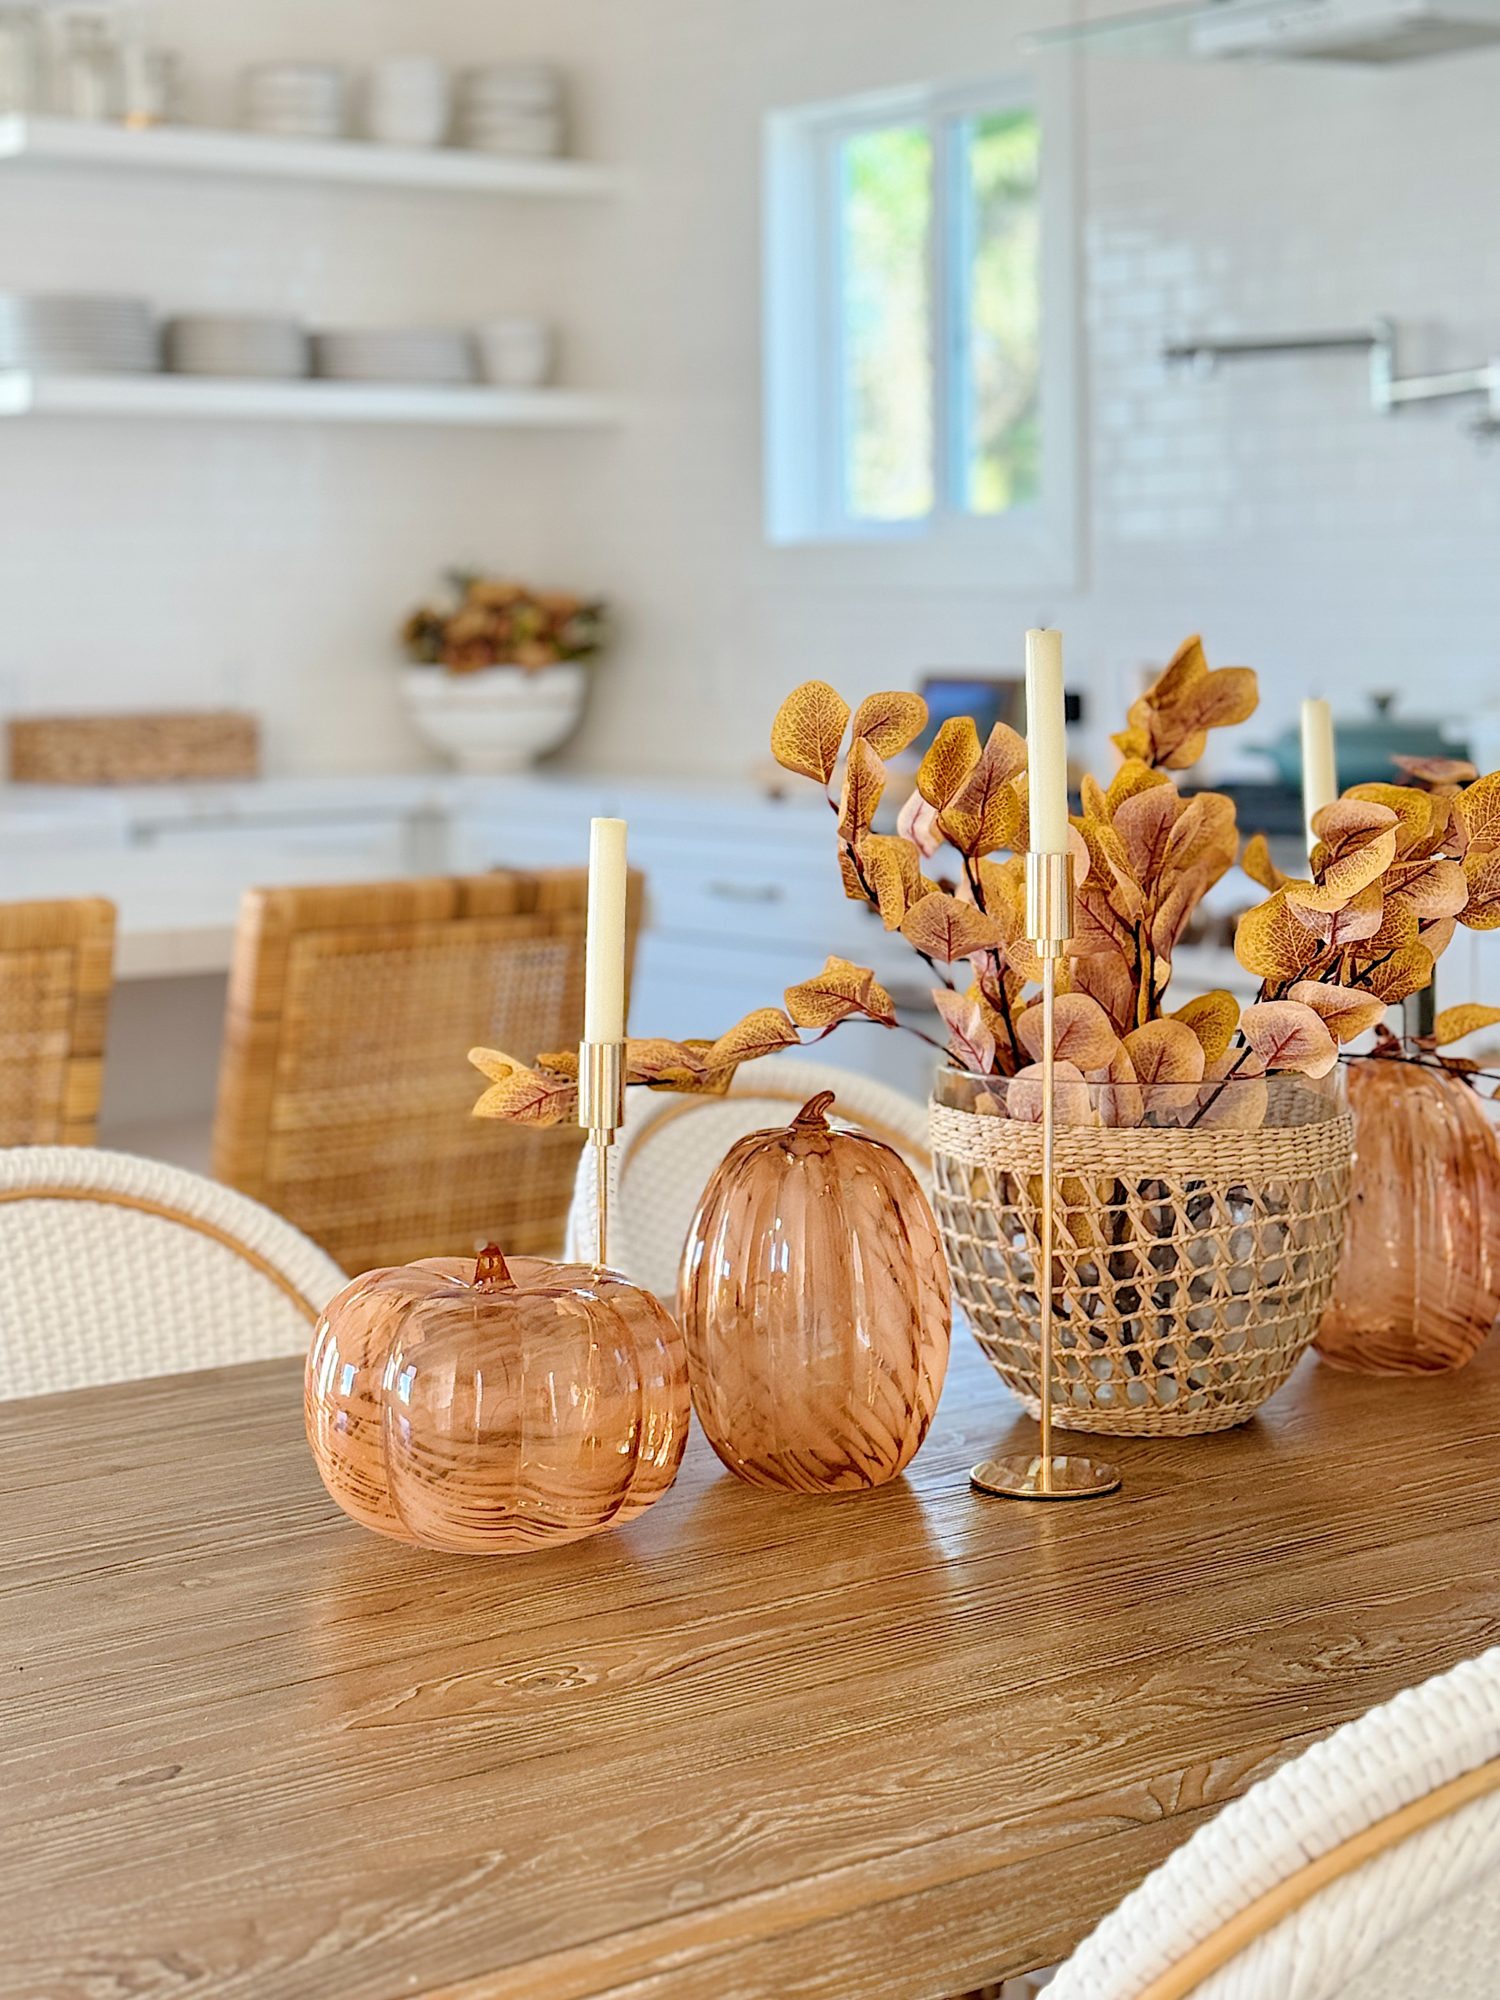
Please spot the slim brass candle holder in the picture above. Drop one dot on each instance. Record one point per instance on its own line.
(601, 1113)
(1043, 1475)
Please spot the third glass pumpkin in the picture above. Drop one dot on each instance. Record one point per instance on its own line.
(815, 1303)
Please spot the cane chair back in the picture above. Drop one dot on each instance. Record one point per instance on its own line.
(56, 970)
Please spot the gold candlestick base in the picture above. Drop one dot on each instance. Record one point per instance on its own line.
(601, 1113)
(1033, 1478)
(1043, 1475)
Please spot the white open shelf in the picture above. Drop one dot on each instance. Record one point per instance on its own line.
(25, 395)
(186, 149)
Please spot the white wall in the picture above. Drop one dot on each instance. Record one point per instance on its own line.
(1269, 507)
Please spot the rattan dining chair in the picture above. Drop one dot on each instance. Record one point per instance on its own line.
(345, 1092)
(56, 971)
(1366, 1869)
(113, 1268)
(670, 1145)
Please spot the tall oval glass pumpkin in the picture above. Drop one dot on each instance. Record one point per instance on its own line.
(814, 1300)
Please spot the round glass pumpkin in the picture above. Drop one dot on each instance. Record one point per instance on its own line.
(1418, 1285)
(814, 1301)
(494, 1407)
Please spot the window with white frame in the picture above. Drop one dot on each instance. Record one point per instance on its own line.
(915, 247)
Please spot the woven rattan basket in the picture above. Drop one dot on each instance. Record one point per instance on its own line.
(1191, 1266)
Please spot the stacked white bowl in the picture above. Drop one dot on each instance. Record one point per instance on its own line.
(511, 108)
(243, 345)
(75, 334)
(394, 354)
(408, 101)
(296, 100)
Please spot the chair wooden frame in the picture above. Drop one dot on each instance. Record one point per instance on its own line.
(56, 975)
(344, 1091)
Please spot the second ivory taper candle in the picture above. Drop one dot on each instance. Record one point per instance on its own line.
(1046, 743)
(1320, 778)
(604, 968)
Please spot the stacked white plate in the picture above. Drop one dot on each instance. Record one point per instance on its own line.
(511, 108)
(296, 100)
(408, 101)
(394, 354)
(74, 334)
(236, 344)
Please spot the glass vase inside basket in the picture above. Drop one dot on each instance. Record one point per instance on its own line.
(1196, 1232)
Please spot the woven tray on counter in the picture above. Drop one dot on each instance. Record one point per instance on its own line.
(143, 749)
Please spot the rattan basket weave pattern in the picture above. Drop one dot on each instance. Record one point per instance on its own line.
(1191, 1267)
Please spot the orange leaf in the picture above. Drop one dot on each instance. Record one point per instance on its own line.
(837, 992)
(1456, 1022)
(1133, 776)
(521, 1095)
(1270, 942)
(889, 723)
(1144, 825)
(1416, 812)
(1071, 1103)
(1167, 1057)
(1286, 1034)
(1344, 1010)
(561, 1062)
(809, 730)
(1405, 972)
(762, 1033)
(893, 869)
(1082, 1032)
(945, 929)
(953, 754)
(864, 782)
(1349, 922)
(1213, 1018)
(1428, 888)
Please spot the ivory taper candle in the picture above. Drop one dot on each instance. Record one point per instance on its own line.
(604, 970)
(1046, 743)
(1320, 778)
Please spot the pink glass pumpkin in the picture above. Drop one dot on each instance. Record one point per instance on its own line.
(489, 1408)
(814, 1301)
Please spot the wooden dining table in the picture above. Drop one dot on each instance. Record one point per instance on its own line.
(880, 1747)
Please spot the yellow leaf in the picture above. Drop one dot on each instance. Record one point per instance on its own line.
(1478, 810)
(1186, 670)
(1341, 875)
(864, 782)
(890, 722)
(985, 813)
(1429, 888)
(1415, 811)
(893, 869)
(562, 1062)
(1406, 972)
(809, 730)
(521, 1095)
(1213, 1018)
(1456, 1022)
(1482, 911)
(1132, 777)
(1344, 1010)
(1288, 1035)
(1350, 921)
(838, 991)
(1258, 865)
(943, 928)
(953, 755)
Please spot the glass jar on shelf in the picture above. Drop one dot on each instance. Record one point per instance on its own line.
(89, 83)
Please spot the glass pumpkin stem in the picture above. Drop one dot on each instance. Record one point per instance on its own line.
(814, 1114)
(491, 1272)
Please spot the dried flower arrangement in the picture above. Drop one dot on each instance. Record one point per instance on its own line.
(494, 623)
(1332, 952)
(1396, 869)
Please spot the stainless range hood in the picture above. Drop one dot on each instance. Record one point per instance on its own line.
(1343, 31)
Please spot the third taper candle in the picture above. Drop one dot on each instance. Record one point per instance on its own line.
(1320, 779)
(1046, 743)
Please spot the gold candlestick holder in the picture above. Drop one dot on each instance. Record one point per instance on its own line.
(1044, 1475)
(601, 1113)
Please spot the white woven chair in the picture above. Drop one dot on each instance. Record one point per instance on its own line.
(671, 1144)
(1366, 1869)
(113, 1267)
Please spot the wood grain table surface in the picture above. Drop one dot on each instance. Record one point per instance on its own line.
(751, 1747)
